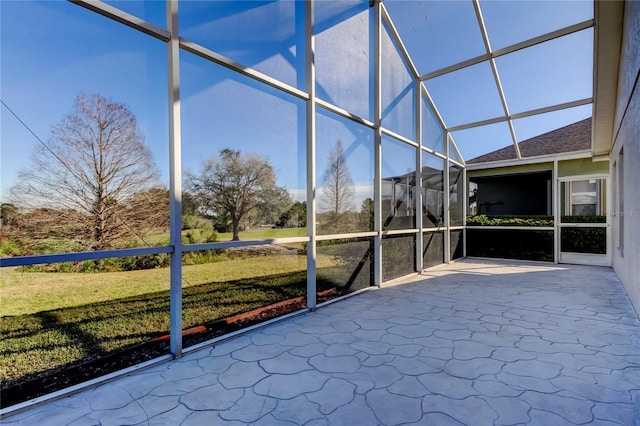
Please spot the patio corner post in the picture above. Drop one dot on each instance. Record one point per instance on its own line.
(418, 187)
(175, 184)
(555, 202)
(465, 210)
(311, 153)
(377, 110)
(447, 201)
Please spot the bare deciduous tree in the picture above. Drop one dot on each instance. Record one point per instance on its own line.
(233, 184)
(148, 210)
(337, 188)
(95, 159)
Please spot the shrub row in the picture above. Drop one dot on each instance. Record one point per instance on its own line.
(584, 240)
(113, 264)
(584, 219)
(510, 244)
(484, 220)
(513, 220)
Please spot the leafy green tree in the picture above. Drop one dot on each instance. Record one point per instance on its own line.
(275, 200)
(295, 217)
(233, 184)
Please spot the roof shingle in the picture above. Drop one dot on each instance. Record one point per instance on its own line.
(574, 137)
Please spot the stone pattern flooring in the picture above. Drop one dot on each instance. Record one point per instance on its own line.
(472, 343)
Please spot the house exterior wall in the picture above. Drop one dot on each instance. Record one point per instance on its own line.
(625, 158)
(523, 168)
(582, 166)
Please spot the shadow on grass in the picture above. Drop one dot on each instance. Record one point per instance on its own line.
(50, 350)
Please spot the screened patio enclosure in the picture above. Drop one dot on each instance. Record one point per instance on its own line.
(292, 150)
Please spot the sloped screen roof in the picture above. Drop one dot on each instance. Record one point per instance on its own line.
(500, 72)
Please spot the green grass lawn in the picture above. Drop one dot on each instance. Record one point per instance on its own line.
(32, 292)
(265, 234)
(50, 320)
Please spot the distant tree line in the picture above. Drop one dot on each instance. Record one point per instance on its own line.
(93, 185)
(51, 230)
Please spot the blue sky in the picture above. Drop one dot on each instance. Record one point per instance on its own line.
(442, 33)
(53, 51)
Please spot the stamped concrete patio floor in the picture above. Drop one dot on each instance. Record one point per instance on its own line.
(471, 343)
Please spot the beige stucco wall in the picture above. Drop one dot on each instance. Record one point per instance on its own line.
(627, 139)
(582, 166)
(525, 168)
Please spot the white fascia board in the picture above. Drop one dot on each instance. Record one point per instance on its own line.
(575, 155)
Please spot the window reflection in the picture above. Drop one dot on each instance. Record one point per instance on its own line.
(432, 191)
(398, 185)
(456, 195)
(582, 198)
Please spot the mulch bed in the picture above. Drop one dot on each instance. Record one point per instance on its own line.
(65, 376)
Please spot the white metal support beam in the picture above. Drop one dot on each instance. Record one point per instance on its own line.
(510, 49)
(496, 76)
(311, 153)
(465, 209)
(175, 183)
(418, 187)
(555, 196)
(396, 37)
(457, 151)
(447, 203)
(432, 104)
(125, 18)
(529, 113)
(377, 111)
(232, 65)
